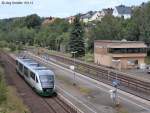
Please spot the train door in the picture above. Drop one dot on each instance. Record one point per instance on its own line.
(37, 84)
(32, 79)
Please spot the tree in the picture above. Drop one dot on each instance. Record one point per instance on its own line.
(109, 28)
(141, 20)
(132, 32)
(62, 42)
(33, 21)
(76, 42)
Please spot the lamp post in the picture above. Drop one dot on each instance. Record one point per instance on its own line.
(73, 67)
(84, 51)
(108, 75)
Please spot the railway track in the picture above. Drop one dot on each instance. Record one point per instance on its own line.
(128, 84)
(58, 104)
(36, 103)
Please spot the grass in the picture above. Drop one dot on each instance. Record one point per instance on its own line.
(6, 49)
(121, 109)
(59, 53)
(84, 90)
(64, 79)
(9, 100)
(89, 57)
(13, 103)
(3, 88)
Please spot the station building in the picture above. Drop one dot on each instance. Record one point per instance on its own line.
(120, 54)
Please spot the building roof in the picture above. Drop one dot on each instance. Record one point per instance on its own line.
(122, 9)
(88, 14)
(120, 44)
(108, 11)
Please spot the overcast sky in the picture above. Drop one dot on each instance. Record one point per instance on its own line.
(59, 8)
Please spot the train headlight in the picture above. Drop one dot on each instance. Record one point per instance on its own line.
(48, 90)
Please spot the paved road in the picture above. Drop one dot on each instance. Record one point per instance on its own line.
(92, 96)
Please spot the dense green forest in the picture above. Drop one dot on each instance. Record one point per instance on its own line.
(29, 30)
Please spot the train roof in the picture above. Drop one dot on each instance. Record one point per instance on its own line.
(34, 66)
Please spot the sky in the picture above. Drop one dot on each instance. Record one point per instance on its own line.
(58, 8)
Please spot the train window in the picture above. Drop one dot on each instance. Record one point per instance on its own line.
(26, 71)
(46, 78)
(32, 75)
(16, 62)
(37, 80)
(20, 67)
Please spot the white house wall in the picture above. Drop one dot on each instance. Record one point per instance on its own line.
(116, 14)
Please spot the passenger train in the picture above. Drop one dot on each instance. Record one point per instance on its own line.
(40, 78)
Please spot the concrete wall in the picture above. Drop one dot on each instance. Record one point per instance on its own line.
(126, 65)
(103, 59)
(141, 61)
(107, 60)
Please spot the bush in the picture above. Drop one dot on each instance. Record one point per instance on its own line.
(3, 88)
(2, 92)
(12, 46)
(3, 44)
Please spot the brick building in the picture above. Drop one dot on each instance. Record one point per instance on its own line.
(119, 54)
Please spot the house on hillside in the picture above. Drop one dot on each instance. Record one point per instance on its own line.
(71, 19)
(48, 20)
(87, 16)
(97, 16)
(108, 11)
(92, 15)
(100, 14)
(122, 11)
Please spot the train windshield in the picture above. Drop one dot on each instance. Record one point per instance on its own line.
(46, 78)
(47, 81)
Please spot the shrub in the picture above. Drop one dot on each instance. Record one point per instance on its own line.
(12, 46)
(3, 88)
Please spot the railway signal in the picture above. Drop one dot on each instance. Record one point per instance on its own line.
(73, 67)
(115, 83)
(114, 93)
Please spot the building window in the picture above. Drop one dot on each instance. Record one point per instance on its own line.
(127, 50)
(132, 62)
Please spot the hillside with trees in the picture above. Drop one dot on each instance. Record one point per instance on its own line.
(29, 31)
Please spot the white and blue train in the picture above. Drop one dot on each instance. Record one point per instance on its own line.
(40, 78)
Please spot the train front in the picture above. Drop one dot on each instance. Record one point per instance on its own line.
(47, 83)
